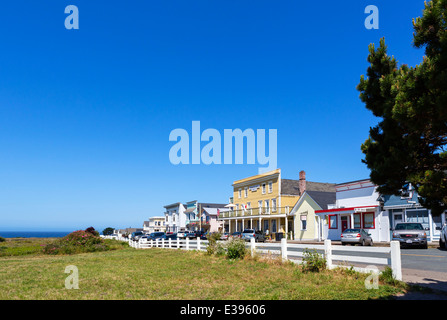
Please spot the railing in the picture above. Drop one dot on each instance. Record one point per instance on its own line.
(254, 212)
(186, 244)
(291, 251)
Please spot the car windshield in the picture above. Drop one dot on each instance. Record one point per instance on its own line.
(351, 231)
(409, 226)
(248, 231)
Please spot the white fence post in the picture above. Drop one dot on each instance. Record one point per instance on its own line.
(162, 242)
(187, 243)
(178, 243)
(156, 242)
(396, 265)
(252, 246)
(152, 243)
(170, 243)
(198, 243)
(328, 253)
(284, 249)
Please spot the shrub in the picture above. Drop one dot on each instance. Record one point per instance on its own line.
(2, 239)
(79, 241)
(213, 245)
(236, 249)
(313, 261)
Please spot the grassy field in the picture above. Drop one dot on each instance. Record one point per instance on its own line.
(153, 274)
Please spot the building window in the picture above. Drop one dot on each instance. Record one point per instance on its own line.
(266, 225)
(263, 188)
(273, 226)
(333, 221)
(303, 219)
(246, 192)
(239, 193)
(368, 220)
(267, 205)
(270, 187)
(273, 205)
(248, 205)
(357, 220)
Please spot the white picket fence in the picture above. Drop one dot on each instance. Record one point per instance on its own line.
(292, 251)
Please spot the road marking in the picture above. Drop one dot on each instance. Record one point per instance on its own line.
(422, 255)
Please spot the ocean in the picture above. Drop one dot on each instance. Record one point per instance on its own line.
(33, 234)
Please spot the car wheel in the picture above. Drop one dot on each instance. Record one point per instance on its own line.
(441, 244)
(371, 243)
(363, 243)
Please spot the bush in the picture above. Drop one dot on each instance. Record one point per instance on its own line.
(236, 249)
(2, 239)
(213, 245)
(79, 241)
(312, 261)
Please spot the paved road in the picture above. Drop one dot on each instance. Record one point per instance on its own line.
(430, 259)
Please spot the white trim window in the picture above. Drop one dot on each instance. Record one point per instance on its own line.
(239, 193)
(267, 206)
(263, 188)
(273, 205)
(270, 186)
(245, 192)
(303, 219)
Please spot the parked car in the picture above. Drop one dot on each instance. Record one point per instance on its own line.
(167, 236)
(247, 234)
(182, 234)
(356, 236)
(443, 237)
(197, 234)
(236, 234)
(224, 236)
(410, 234)
(135, 236)
(155, 236)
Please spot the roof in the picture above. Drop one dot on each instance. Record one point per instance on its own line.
(212, 205)
(176, 204)
(259, 176)
(323, 199)
(292, 187)
(213, 211)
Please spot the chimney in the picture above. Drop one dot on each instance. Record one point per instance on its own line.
(302, 182)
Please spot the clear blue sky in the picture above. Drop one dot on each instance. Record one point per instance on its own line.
(85, 115)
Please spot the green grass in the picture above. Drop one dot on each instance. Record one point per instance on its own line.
(175, 274)
(23, 246)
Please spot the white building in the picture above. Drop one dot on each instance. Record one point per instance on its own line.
(155, 224)
(357, 205)
(175, 218)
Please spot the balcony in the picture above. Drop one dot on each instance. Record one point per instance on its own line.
(255, 212)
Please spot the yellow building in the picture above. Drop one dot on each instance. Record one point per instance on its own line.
(265, 201)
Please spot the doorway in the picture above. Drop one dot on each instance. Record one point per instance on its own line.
(344, 223)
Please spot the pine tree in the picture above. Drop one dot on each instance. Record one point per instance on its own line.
(408, 145)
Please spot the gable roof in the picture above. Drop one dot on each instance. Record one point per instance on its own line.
(292, 187)
(323, 199)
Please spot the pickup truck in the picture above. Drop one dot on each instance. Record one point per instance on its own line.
(410, 234)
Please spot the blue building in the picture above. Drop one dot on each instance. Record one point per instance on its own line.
(407, 208)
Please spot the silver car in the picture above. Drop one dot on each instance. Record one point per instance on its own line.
(410, 234)
(356, 236)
